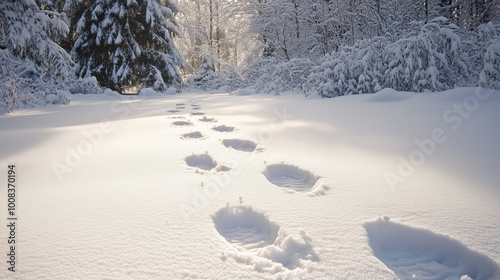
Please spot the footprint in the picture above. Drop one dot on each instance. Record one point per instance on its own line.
(197, 114)
(180, 104)
(223, 128)
(245, 228)
(173, 111)
(192, 135)
(223, 168)
(205, 119)
(290, 177)
(240, 145)
(202, 161)
(261, 243)
(195, 108)
(180, 107)
(413, 253)
(182, 123)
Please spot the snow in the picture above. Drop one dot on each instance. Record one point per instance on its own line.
(383, 186)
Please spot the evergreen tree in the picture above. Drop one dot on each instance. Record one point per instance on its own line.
(128, 44)
(30, 33)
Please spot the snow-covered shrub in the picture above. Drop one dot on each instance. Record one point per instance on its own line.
(430, 59)
(490, 75)
(23, 84)
(84, 86)
(351, 70)
(229, 79)
(488, 38)
(268, 76)
(206, 79)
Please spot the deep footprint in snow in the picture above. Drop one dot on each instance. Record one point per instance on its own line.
(245, 228)
(240, 145)
(173, 111)
(223, 128)
(205, 119)
(192, 135)
(290, 177)
(197, 114)
(202, 161)
(180, 104)
(260, 241)
(413, 253)
(182, 123)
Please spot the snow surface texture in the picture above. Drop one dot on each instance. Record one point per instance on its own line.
(240, 145)
(414, 253)
(110, 188)
(290, 176)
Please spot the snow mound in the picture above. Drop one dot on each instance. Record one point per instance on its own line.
(148, 92)
(245, 228)
(414, 253)
(223, 128)
(390, 95)
(193, 135)
(240, 145)
(203, 161)
(290, 177)
(244, 91)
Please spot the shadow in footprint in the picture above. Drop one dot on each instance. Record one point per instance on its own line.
(182, 123)
(202, 161)
(205, 119)
(290, 177)
(223, 128)
(414, 253)
(173, 111)
(245, 228)
(240, 145)
(197, 114)
(192, 135)
(260, 241)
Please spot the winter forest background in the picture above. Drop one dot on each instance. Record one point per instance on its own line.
(50, 49)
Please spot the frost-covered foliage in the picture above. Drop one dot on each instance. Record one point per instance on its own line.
(490, 75)
(268, 76)
(31, 33)
(351, 70)
(34, 70)
(23, 84)
(489, 37)
(432, 56)
(128, 44)
(429, 59)
(207, 79)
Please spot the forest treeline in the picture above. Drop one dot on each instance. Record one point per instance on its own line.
(327, 47)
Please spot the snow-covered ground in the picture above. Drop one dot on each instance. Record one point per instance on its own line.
(221, 186)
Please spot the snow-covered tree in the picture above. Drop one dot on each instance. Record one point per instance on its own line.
(32, 65)
(128, 44)
(31, 33)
